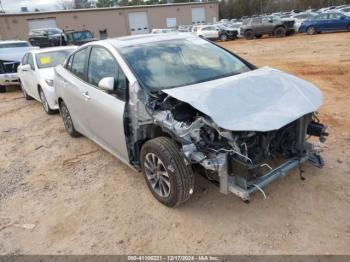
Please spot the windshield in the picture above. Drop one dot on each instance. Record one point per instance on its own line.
(52, 59)
(180, 62)
(12, 45)
(78, 36)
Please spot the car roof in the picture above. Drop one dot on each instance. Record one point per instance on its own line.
(53, 49)
(146, 38)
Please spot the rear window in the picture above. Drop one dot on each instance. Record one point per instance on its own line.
(14, 45)
(52, 59)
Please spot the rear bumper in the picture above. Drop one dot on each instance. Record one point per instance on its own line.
(9, 79)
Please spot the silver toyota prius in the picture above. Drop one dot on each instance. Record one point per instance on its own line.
(171, 105)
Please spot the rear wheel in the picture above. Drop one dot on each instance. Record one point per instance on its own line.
(169, 178)
(311, 30)
(249, 35)
(2, 89)
(280, 32)
(45, 104)
(348, 27)
(67, 120)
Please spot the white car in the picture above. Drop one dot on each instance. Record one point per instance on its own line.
(36, 73)
(11, 53)
(207, 31)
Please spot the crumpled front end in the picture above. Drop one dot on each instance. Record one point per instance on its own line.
(240, 162)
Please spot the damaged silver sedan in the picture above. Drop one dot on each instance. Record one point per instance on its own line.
(174, 105)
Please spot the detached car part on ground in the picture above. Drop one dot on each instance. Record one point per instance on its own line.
(256, 27)
(11, 53)
(173, 105)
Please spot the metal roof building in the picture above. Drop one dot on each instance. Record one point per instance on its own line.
(110, 22)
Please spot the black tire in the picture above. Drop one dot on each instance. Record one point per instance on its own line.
(311, 30)
(68, 121)
(279, 32)
(258, 36)
(45, 104)
(2, 89)
(348, 27)
(249, 35)
(223, 37)
(25, 95)
(179, 176)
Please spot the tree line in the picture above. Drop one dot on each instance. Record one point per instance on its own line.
(227, 8)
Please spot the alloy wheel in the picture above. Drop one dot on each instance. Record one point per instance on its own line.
(157, 175)
(67, 120)
(44, 101)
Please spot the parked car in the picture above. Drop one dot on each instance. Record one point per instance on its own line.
(73, 37)
(206, 31)
(172, 104)
(36, 73)
(46, 37)
(268, 25)
(326, 22)
(11, 53)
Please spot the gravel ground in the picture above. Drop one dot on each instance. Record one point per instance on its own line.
(60, 195)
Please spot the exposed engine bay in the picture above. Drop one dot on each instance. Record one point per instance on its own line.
(238, 161)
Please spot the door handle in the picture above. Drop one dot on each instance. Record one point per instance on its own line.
(86, 95)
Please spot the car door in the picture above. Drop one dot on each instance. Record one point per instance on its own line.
(30, 82)
(336, 22)
(105, 110)
(72, 81)
(210, 32)
(322, 23)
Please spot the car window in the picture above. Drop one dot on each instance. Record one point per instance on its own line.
(78, 62)
(31, 61)
(257, 20)
(322, 16)
(25, 59)
(102, 64)
(334, 16)
(209, 28)
(53, 58)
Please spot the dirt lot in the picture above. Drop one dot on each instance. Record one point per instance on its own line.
(84, 201)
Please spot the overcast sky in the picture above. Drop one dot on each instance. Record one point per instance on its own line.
(15, 5)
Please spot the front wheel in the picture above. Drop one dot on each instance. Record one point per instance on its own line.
(67, 120)
(249, 35)
(169, 178)
(45, 104)
(24, 92)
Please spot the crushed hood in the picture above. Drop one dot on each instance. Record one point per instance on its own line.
(265, 99)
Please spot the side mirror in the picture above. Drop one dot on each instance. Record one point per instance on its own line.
(26, 67)
(107, 84)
